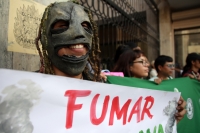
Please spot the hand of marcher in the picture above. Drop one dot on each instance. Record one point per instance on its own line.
(191, 76)
(158, 80)
(103, 77)
(181, 111)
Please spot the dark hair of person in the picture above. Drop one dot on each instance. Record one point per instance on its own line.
(161, 60)
(94, 60)
(132, 45)
(190, 57)
(126, 60)
(120, 49)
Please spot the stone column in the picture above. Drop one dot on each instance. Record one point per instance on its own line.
(165, 28)
(185, 43)
(152, 46)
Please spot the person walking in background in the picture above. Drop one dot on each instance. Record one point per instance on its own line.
(153, 72)
(192, 67)
(178, 70)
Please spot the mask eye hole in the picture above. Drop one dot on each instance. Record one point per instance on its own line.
(87, 26)
(59, 26)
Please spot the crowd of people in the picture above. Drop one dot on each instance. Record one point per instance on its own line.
(162, 68)
(70, 48)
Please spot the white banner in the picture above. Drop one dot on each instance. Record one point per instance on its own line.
(39, 103)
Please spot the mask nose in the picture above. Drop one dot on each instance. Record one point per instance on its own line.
(76, 30)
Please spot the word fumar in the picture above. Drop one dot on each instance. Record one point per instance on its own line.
(115, 108)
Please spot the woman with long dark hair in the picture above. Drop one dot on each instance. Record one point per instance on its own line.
(120, 49)
(132, 63)
(192, 67)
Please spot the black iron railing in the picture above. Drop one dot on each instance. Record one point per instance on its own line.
(120, 21)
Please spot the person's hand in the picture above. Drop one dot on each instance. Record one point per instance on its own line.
(198, 78)
(158, 81)
(191, 76)
(181, 111)
(103, 76)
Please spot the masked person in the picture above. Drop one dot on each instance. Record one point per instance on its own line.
(69, 41)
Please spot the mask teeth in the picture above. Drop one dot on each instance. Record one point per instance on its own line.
(68, 46)
(77, 46)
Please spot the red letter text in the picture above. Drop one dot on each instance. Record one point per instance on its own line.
(136, 110)
(115, 108)
(93, 118)
(71, 106)
(146, 109)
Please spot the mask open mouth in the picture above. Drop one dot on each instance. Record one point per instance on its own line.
(74, 58)
(73, 46)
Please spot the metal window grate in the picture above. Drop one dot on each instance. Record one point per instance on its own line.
(120, 21)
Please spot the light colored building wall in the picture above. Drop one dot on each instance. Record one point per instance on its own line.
(14, 60)
(185, 23)
(186, 19)
(153, 49)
